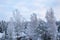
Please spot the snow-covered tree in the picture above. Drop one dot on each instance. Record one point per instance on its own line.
(3, 28)
(10, 29)
(51, 23)
(33, 24)
(41, 29)
(33, 21)
(19, 29)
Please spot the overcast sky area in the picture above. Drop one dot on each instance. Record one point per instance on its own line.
(27, 7)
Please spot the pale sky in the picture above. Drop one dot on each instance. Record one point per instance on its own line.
(27, 7)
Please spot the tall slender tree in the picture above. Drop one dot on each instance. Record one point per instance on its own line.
(51, 23)
(19, 29)
(33, 25)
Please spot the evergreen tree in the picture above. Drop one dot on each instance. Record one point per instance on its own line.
(41, 29)
(33, 25)
(19, 29)
(51, 24)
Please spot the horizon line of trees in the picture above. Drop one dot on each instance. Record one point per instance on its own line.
(35, 28)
